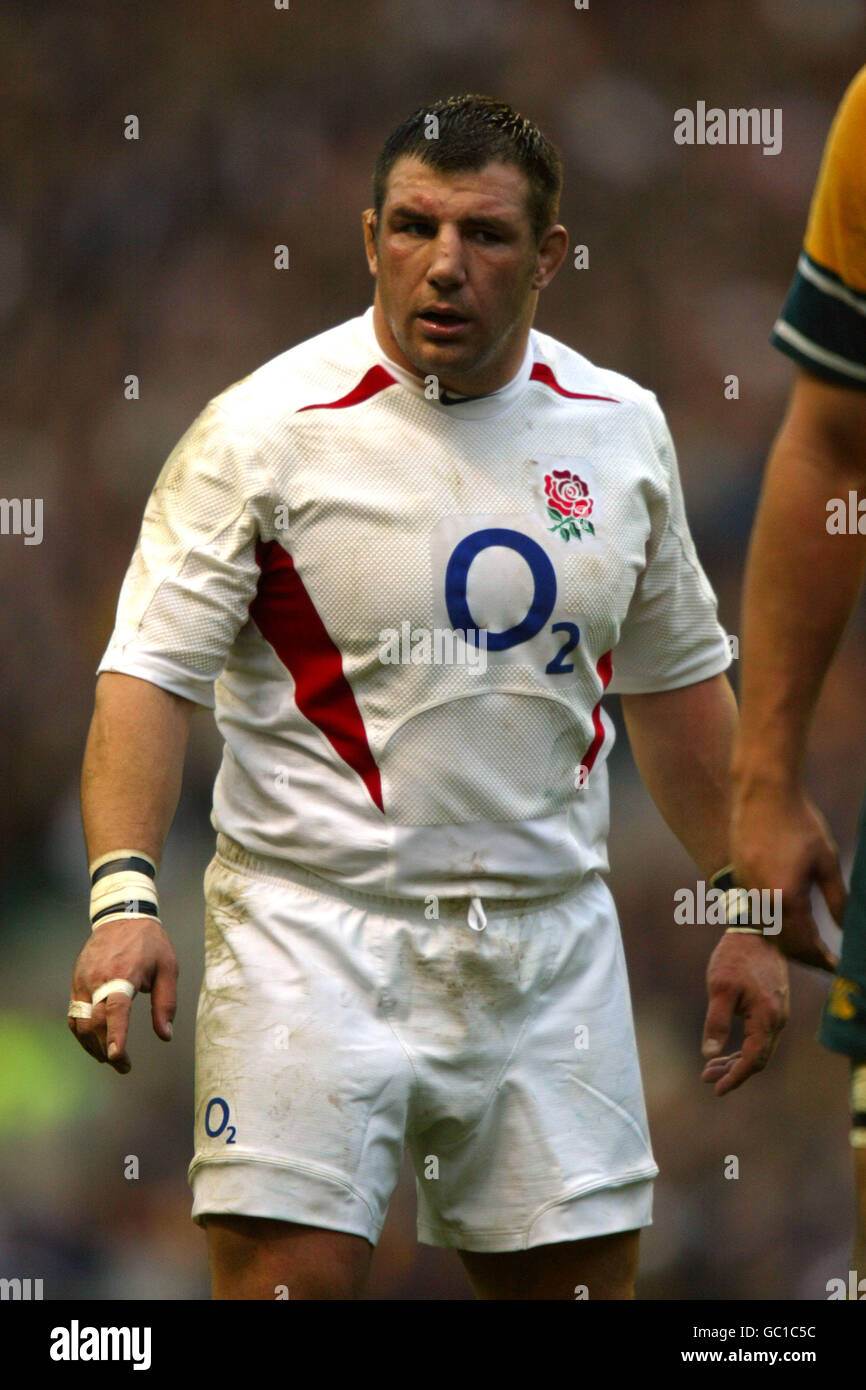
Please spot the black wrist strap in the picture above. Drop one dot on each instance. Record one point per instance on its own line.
(724, 879)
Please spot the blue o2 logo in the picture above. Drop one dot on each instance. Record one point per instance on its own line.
(543, 597)
(216, 1120)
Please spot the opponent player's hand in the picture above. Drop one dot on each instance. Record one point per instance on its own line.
(135, 949)
(779, 840)
(747, 978)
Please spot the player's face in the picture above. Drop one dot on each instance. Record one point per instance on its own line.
(458, 272)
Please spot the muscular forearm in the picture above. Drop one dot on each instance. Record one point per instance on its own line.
(802, 582)
(133, 765)
(682, 742)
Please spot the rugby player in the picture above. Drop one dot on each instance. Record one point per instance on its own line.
(804, 575)
(409, 939)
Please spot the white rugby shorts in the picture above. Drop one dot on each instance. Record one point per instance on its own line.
(335, 1029)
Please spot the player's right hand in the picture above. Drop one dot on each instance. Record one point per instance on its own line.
(135, 949)
(747, 978)
(780, 840)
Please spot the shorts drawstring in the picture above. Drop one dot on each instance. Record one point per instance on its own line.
(476, 916)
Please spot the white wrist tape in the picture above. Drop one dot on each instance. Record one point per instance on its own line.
(122, 885)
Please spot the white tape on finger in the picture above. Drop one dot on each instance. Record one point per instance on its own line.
(113, 987)
(79, 1008)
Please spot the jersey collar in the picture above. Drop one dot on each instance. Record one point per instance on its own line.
(477, 408)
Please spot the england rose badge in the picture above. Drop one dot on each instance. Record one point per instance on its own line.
(569, 504)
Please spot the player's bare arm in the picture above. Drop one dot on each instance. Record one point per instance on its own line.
(682, 741)
(130, 785)
(802, 583)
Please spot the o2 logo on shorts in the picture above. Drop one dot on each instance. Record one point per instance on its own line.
(540, 608)
(216, 1120)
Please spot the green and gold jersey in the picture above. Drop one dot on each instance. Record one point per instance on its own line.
(823, 320)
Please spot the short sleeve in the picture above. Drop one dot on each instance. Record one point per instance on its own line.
(671, 635)
(822, 324)
(194, 571)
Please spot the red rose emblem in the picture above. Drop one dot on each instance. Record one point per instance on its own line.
(567, 493)
(568, 503)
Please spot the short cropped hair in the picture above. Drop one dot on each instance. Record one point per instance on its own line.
(470, 131)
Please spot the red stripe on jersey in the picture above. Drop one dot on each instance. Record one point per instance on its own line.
(605, 671)
(286, 617)
(373, 381)
(541, 372)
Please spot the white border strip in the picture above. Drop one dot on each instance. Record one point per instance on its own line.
(819, 354)
(849, 297)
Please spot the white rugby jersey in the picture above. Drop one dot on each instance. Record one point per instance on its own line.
(324, 555)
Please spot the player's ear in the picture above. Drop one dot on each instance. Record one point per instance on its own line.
(370, 221)
(551, 252)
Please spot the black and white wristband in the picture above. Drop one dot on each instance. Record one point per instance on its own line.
(122, 884)
(736, 902)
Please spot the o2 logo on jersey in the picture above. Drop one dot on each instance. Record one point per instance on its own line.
(541, 606)
(216, 1120)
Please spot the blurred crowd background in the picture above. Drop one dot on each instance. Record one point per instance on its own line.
(155, 257)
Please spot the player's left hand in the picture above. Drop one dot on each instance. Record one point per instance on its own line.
(747, 977)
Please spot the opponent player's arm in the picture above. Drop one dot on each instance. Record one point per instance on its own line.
(130, 785)
(802, 582)
(802, 579)
(682, 741)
